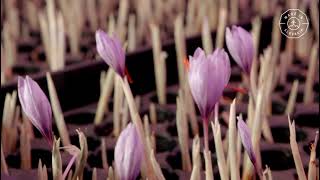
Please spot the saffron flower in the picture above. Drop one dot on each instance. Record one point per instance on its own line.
(240, 45)
(36, 106)
(208, 76)
(245, 136)
(128, 153)
(111, 51)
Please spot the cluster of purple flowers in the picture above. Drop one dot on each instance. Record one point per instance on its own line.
(208, 75)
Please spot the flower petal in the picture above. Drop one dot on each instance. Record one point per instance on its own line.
(247, 42)
(245, 136)
(240, 45)
(208, 76)
(128, 153)
(74, 151)
(36, 106)
(109, 48)
(198, 52)
(233, 46)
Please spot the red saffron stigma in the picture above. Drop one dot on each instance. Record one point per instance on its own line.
(237, 89)
(126, 72)
(186, 64)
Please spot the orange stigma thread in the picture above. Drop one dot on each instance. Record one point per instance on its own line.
(126, 72)
(237, 89)
(186, 64)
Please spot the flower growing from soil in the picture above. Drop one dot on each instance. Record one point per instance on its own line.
(208, 75)
(36, 106)
(128, 153)
(240, 45)
(111, 51)
(245, 136)
(113, 54)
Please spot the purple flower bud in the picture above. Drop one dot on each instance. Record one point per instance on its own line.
(128, 153)
(36, 106)
(245, 136)
(111, 51)
(240, 45)
(208, 76)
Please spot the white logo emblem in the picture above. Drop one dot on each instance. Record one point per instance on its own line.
(293, 23)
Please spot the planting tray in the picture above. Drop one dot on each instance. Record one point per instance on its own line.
(78, 88)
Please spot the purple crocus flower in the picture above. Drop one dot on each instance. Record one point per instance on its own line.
(128, 153)
(240, 45)
(245, 136)
(111, 51)
(208, 76)
(36, 106)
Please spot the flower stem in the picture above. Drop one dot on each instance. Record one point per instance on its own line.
(247, 81)
(65, 173)
(205, 133)
(138, 123)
